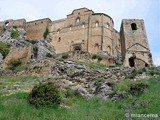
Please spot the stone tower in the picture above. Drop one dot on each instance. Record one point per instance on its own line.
(134, 43)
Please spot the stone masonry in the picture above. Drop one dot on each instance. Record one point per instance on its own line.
(84, 30)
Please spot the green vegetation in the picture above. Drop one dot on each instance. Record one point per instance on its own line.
(4, 49)
(135, 73)
(15, 34)
(65, 56)
(16, 107)
(129, 88)
(49, 55)
(95, 56)
(153, 72)
(14, 63)
(46, 94)
(45, 33)
(22, 67)
(93, 65)
(100, 58)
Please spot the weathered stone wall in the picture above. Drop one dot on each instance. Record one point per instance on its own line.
(134, 42)
(84, 30)
(22, 54)
(11, 23)
(36, 29)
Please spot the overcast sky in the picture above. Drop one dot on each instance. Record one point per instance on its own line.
(149, 10)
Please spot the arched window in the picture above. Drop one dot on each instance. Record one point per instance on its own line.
(6, 23)
(134, 26)
(97, 23)
(78, 20)
(83, 25)
(70, 27)
(107, 25)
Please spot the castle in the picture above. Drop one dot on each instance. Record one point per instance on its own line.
(84, 30)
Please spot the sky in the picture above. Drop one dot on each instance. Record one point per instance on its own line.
(149, 10)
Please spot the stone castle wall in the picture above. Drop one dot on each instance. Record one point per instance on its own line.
(84, 30)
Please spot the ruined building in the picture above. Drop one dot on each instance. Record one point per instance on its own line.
(84, 30)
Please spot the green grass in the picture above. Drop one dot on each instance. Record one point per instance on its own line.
(15, 33)
(15, 107)
(93, 65)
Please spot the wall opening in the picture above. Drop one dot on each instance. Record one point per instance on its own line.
(107, 25)
(83, 25)
(78, 20)
(146, 65)
(6, 23)
(97, 23)
(59, 39)
(131, 62)
(77, 48)
(134, 26)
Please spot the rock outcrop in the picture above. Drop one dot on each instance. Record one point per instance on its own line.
(24, 50)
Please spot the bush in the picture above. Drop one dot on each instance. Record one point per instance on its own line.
(138, 88)
(4, 49)
(49, 55)
(99, 58)
(69, 93)
(22, 67)
(65, 56)
(46, 94)
(15, 33)
(94, 56)
(14, 63)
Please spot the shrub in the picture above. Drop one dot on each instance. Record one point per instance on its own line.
(99, 58)
(4, 49)
(45, 33)
(49, 55)
(15, 33)
(137, 88)
(153, 72)
(69, 93)
(14, 63)
(94, 56)
(122, 86)
(65, 56)
(46, 94)
(22, 67)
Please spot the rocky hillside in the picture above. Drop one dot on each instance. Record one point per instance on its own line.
(22, 49)
(90, 79)
(30, 62)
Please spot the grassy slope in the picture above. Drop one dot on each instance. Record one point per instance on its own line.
(15, 107)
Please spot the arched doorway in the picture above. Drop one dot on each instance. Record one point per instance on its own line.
(131, 62)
